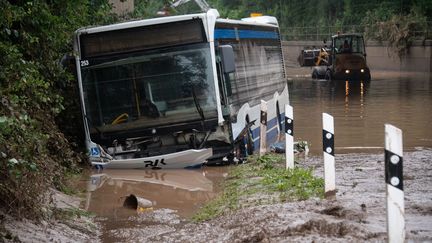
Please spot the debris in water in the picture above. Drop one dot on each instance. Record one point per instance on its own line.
(137, 203)
(299, 147)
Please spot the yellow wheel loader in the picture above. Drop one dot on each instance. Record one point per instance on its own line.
(345, 59)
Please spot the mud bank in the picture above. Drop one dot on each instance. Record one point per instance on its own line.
(357, 214)
(65, 222)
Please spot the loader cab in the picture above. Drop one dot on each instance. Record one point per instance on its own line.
(349, 43)
(348, 58)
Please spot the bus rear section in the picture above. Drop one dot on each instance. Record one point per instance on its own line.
(259, 75)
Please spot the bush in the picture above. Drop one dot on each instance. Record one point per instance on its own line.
(36, 92)
(398, 30)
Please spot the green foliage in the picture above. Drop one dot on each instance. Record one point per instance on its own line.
(263, 181)
(398, 30)
(313, 19)
(295, 184)
(227, 201)
(36, 92)
(268, 161)
(149, 8)
(24, 164)
(317, 19)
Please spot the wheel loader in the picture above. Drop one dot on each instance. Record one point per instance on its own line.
(344, 59)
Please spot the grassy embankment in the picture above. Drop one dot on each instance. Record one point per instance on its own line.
(40, 127)
(262, 181)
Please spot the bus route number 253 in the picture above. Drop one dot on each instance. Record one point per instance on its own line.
(84, 63)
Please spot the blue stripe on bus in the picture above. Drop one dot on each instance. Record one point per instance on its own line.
(256, 145)
(273, 122)
(246, 34)
(272, 132)
(256, 133)
(272, 136)
(270, 124)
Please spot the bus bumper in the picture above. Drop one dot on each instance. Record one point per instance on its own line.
(182, 159)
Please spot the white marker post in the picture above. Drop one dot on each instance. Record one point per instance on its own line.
(263, 128)
(329, 160)
(289, 137)
(394, 181)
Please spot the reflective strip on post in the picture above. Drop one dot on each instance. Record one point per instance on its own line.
(394, 183)
(289, 137)
(263, 128)
(329, 159)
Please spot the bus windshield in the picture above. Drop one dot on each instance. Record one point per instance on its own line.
(149, 89)
(349, 44)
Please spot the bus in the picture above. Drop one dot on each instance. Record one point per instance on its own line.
(179, 91)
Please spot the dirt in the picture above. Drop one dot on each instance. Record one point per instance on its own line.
(72, 228)
(357, 214)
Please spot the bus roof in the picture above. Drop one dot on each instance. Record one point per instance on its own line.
(138, 23)
(269, 21)
(249, 21)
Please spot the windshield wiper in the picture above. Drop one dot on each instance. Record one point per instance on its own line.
(197, 105)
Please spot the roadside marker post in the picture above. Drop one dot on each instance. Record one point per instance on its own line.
(263, 128)
(289, 137)
(394, 182)
(329, 159)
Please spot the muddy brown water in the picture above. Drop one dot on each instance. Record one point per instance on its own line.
(181, 191)
(361, 109)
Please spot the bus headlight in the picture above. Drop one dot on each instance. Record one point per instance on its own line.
(362, 70)
(347, 71)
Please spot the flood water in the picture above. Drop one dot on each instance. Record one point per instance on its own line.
(181, 190)
(360, 110)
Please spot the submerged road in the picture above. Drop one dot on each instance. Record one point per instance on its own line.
(360, 110)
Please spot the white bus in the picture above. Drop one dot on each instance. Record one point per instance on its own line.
(178, 91)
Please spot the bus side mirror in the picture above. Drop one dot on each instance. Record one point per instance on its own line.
(227, 55)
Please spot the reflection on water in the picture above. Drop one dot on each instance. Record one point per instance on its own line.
(361, 109)
(181, 190)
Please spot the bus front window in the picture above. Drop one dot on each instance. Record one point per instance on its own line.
(149, 89)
